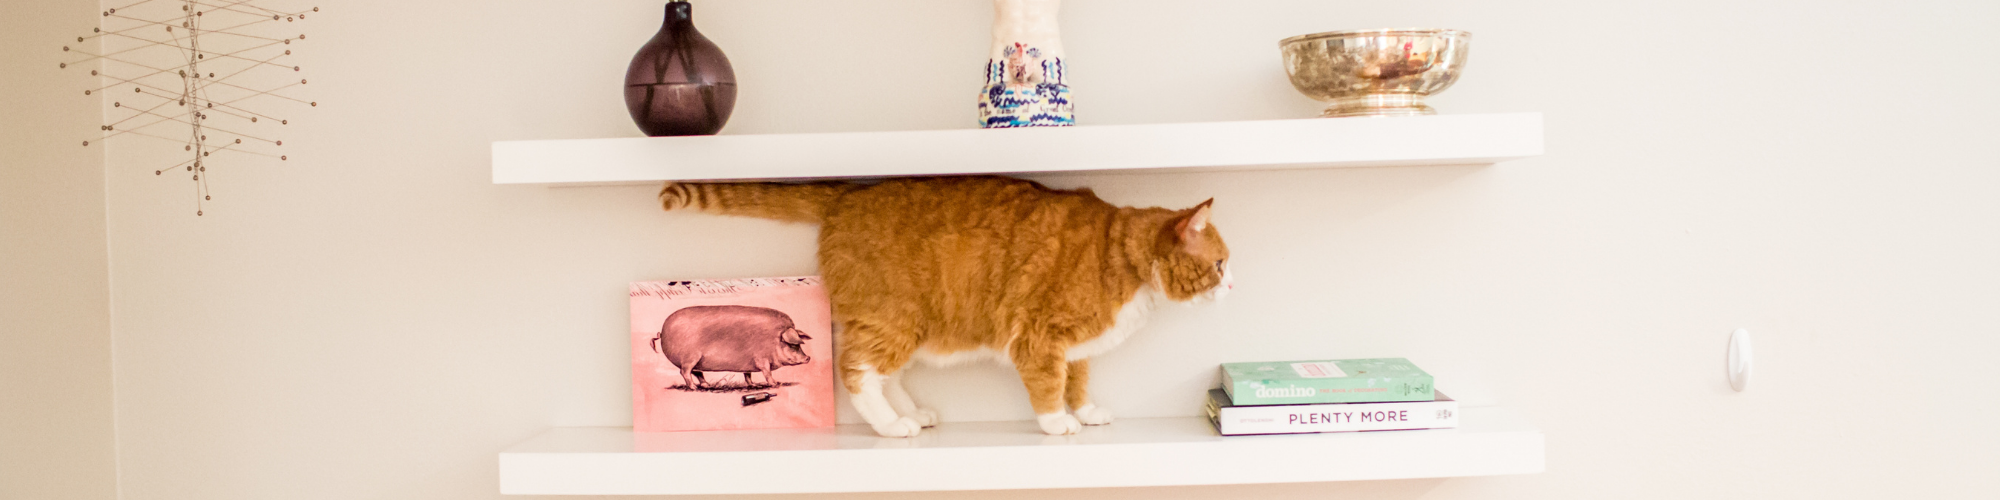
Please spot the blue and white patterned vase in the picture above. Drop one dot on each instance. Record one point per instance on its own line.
(1026, 83)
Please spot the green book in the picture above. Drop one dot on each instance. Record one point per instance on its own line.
(1333, 381)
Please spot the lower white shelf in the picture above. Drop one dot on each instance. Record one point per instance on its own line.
(1003, 455)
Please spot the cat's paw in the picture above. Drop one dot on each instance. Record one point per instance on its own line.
(1059, 424)
(925, 417)
(901, 427)
(1093, 415)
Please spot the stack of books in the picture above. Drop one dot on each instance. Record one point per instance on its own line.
(1342, 395)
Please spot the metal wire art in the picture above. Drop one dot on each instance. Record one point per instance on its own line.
(209, 75)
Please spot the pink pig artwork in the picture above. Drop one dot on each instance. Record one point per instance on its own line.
(731, 354)
(730, 339)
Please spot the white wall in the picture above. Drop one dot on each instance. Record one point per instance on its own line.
(56, 439)
(375, 319)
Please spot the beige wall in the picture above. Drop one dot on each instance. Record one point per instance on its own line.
(56, 439)
(375, 319)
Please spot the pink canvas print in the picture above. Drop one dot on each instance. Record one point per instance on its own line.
(731, 354)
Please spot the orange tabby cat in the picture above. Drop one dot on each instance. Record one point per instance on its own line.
(950, 269)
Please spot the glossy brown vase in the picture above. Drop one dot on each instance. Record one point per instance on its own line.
(680, 83)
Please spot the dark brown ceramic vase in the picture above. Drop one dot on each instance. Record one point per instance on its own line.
(680, 83)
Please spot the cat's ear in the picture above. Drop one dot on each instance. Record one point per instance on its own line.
(1190, 226)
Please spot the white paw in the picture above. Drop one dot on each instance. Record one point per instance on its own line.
(925, 417)
(1059, 424)
(902, 427)
(1093, 415)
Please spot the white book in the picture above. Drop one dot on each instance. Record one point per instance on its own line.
(1232, 420)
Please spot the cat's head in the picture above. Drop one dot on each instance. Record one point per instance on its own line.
(1191, 260)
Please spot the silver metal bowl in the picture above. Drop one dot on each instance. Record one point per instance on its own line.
(1375, 72)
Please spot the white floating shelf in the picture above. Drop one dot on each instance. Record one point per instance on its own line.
(1247, 145)
(1003, 455)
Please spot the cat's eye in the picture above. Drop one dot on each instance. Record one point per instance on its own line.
(1218, 266)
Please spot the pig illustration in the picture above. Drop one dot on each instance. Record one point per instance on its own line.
(730, 339)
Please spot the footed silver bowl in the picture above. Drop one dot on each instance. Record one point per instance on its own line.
(1375, 72)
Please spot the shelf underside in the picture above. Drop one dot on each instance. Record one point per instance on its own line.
(1246, 145)
(1004, 455)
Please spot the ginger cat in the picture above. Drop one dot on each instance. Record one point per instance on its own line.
(950, 269)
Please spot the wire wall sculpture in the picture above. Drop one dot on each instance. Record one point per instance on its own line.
(209, 75)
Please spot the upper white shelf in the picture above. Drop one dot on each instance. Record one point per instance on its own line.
(1003, 455)
(1247, 145)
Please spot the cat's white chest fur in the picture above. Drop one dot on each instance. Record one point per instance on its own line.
(932, 358)
(1130, 319)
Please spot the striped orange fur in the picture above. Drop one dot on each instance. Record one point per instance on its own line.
(800, 202)
(940, 266)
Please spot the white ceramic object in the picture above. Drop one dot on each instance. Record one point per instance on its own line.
(1739, 359)
(1027, 82)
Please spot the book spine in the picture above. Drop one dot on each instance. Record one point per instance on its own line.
(1297, 419)
(1228, 384)
(1283, 392)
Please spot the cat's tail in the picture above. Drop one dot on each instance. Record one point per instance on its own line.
(793, 202)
